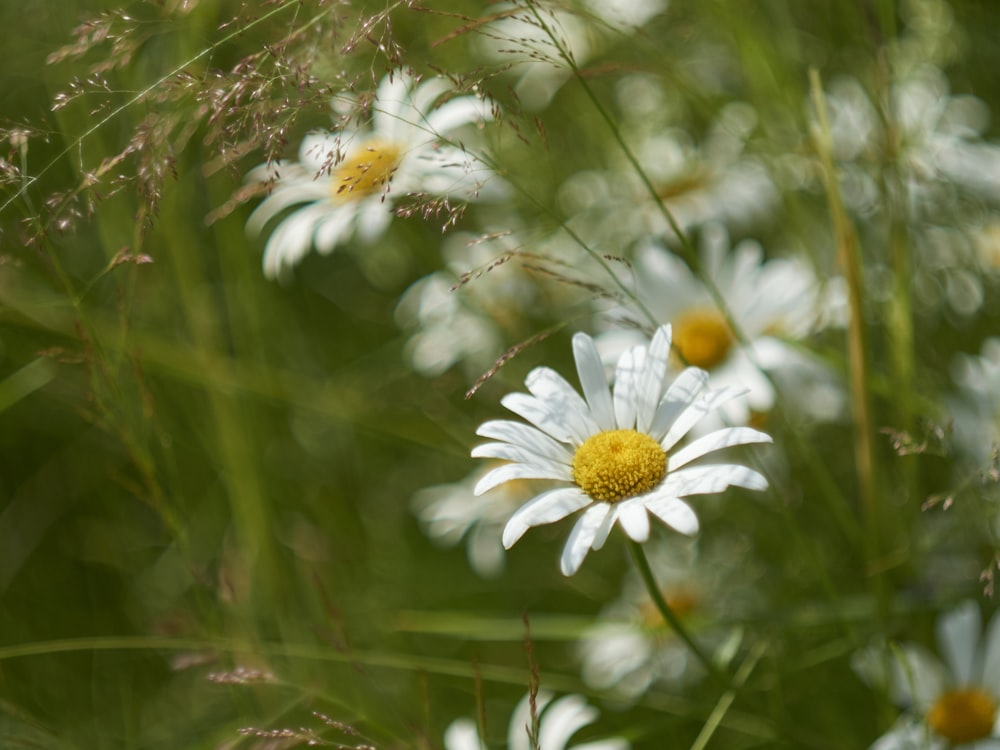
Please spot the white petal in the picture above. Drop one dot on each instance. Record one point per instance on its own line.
(285, 195)
(374, 215)
(711, 478)
(292, 239)
(457, 112)
(462, 734)
(582, 537)
(537, 413)
(520, 720)
(681, 394)
(724, 438)
(563, 719)
(626, 386)
(675, 513)
(527, 436)
(507, 472)
(605, 528)
(332, 230)
(918, 677)
(392, 103)
(650, 384)
(708, 402)
(548, 507)
(634, 518)
(590, 370)
(991, 656)
(559, 397)
(958, 633)
(518, 454)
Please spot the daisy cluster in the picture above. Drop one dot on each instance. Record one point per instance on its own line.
(782, 297)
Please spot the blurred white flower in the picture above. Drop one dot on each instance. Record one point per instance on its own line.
(937, 136)
(773, 303)
(713, 180)
(458, 314)
(347, 182)
(618, 451)
(631, 648)
(975, 406)
(451, 512)
(949, 703)
(558, 721)
(534, 39)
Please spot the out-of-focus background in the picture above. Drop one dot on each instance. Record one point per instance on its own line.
(211, 482)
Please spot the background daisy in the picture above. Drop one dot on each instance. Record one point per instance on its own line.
(559, 720)
(347, 183)
(773, 303)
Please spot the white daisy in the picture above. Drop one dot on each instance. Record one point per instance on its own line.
(618, 451)
(954, 702)
(773, 303)
(558, 721)
(348, 181)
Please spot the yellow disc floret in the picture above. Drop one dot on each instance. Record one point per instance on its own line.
(702, 338)
(963, 715)
(366, 172)
(618, 464)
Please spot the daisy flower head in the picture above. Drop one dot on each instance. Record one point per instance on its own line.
(558, 721)
(346, 183)
(618, 452)
(952, 702)
(772, 303)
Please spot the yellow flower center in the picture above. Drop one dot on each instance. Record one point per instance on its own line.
(682, 184)
(702, 337)
(618, 464)
(366, 172)
(963, 715)
(683, 602)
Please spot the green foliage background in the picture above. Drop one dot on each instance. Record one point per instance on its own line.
(201, 469)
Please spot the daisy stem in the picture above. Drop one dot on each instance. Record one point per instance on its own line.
(642, 565)
(727, 698)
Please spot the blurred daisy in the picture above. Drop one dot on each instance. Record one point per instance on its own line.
(461, 313)
(534, 38)
(450, 513)
(618, 451)
(975, 407)
(347, 182)
(713, 180)
(631, 648)
(558, 721)
(950, 703)
(773, 303)
(938, 139)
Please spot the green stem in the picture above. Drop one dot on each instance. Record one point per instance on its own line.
(726, 700)
(642, 565)
(849, 256)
